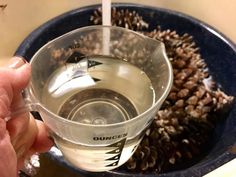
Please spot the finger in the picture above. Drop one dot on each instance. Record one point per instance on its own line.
(18, 71)
(18, 126)
(7, 153)
(21, 76)
(5, 102)
(12, 81)
(42, 142)
(23, 132)
(19, 81)
(24, 139)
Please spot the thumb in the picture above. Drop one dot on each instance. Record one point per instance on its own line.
(13, 79)
(20, 73)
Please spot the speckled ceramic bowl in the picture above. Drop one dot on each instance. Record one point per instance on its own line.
(218, 52)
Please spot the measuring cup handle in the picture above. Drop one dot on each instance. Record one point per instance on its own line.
(26, 106)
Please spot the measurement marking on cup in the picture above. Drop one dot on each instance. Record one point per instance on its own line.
(117, 152)
(76, 57)
(92, 63)
(134, 148)
(103, 138)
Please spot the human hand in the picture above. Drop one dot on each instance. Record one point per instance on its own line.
(22, 135)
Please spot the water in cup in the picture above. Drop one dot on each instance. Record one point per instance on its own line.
(98, 90)
(96, 158)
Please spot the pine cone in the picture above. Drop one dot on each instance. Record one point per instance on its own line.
(123, 18)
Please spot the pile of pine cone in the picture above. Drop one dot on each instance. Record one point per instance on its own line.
(182, 128)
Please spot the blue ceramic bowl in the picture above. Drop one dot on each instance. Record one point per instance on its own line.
(217, 50)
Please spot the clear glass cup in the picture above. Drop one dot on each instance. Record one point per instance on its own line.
(98, 89)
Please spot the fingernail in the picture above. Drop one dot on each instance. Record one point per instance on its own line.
(16, 62)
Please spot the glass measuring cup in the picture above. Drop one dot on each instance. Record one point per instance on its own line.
(98, 88)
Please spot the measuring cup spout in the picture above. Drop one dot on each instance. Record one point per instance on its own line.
(156, 47)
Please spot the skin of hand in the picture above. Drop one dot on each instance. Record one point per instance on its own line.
(22, 135)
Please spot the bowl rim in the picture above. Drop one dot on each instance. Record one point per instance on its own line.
(196, 168)
(21, 49)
